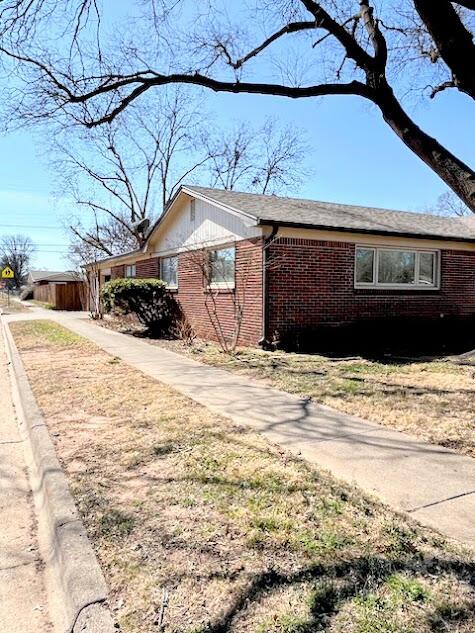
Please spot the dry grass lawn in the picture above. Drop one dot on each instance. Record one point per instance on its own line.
(433, 400)
(205, 527)
(14, 307)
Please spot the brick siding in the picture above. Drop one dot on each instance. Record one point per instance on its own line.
(213, 313)
(117, 272)
(145, 268)
(312, 283)
(148, 268)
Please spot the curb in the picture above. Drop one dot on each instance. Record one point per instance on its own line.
(75, 585)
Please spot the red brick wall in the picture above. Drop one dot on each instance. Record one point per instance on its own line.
(145, 268)
(213, 312)
(148, 268)
(117, 271)
(312, 283)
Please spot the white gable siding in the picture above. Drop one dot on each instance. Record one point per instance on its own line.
(211, 226)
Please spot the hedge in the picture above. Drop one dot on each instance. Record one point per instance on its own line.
(148, 299)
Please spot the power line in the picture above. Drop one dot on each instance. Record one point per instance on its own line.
(30, 226)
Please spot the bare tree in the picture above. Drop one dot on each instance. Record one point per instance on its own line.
(16, 252)
(124, 173)
(333, 47)
(449, 204)
(267, 159)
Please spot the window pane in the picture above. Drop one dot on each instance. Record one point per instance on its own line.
(397, 267)
(222, 266)
(169, 270)
(427, 269)
(364, 265)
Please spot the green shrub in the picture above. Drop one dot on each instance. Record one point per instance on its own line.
(148, 299)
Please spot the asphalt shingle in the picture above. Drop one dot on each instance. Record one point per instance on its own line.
(312, 213)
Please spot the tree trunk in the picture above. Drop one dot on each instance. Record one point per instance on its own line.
(455, 173)
(454, 42)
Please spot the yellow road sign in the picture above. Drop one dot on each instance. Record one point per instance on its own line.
(7, 273)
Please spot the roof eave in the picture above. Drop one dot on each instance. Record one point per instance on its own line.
(112, 258)
(324, 227)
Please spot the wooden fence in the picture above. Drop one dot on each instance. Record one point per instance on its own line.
(67, 296)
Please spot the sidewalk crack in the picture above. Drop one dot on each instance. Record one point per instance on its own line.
(26, 563)
(436, 503)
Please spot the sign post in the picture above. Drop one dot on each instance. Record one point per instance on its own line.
(7, 273)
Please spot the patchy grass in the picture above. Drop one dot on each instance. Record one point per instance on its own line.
(43, 332)
(42, 304)
(433, 400)
(14, 307)
(243, 537)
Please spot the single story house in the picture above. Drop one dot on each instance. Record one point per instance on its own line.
(62, 290)
(260, 267)
(44, 277)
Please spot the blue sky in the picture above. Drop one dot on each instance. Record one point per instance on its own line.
(355, 157)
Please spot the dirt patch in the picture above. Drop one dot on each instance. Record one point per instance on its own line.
(205, 527)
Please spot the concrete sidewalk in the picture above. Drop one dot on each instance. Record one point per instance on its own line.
(23, 604)
(435, 485)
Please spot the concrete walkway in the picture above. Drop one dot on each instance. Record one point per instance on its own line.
(23, 606)
(435, 485)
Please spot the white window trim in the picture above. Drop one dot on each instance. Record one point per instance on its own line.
(127, 266)
(223, 285)
(382, 286)
(171, 286)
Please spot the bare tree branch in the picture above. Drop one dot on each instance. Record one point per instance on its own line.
(453, 41)
(441, 87)
(293, 27)
(361, 50)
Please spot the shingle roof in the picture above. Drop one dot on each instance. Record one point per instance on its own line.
(345, 217)
(51, 275)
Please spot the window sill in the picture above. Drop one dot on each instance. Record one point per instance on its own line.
(220, 288)
(398, 287)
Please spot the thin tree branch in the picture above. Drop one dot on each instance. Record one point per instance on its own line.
(292, 27)
(440, 88)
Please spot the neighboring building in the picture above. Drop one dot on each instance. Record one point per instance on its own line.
(283, 266)
(43, 277)
(61, 290)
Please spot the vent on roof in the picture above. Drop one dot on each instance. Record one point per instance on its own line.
(192, 210)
